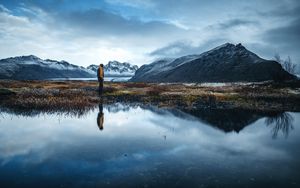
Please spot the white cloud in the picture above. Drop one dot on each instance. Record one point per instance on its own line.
(4, 9)
(41, 34)
(21, 35)
(133, 3)
(95, 34)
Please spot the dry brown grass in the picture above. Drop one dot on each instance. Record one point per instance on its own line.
(135, 85)
(81, 94)
(156, 90)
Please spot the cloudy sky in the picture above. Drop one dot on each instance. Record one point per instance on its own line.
(139, 31)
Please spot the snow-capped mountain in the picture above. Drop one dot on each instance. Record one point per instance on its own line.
(115, 68)
(32, 67)
(226, 63)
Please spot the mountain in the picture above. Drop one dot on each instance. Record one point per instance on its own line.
(33, 68)
(115, 68)
(226, 63)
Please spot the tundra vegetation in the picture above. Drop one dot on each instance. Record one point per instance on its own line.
(78, 97)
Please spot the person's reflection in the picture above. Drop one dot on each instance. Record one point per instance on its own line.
(100, 117)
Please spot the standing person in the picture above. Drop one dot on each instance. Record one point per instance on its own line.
(100, 74)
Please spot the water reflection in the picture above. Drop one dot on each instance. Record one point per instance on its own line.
(280, 122)
(227, 120)
(236, 120)
(67, 111)
(100, 117)
(146, 146)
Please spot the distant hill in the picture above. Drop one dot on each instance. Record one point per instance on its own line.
(226, 63)
(33, 68)
(115, 68)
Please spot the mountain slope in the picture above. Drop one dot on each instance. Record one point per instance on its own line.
(34, 68)
(115, 68)
(226, 63)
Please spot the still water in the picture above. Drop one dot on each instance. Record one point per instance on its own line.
(144, 146)
(107, 79)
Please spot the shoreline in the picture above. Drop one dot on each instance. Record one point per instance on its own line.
(80, 95)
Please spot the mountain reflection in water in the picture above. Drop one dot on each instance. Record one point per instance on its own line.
(135, 145)
(227, 120)
(230, 120)
(280, 122)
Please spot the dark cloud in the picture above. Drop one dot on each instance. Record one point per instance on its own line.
(94, 18)
(175, 49)
(235, 23)
(285, 38)
(99, 22)
(181, 48)
(289, 10)
(173, 28)
(286, 35)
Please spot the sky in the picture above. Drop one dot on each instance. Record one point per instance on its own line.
(85, 32)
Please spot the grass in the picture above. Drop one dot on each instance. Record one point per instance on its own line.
(82, 95)
(156, 90)
(6, 92)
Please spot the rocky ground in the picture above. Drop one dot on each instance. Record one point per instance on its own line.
(68, 96)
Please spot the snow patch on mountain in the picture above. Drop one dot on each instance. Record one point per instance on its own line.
(115, 68)
(32, 67)
(35, 67)
(12, 64)
(225, 63)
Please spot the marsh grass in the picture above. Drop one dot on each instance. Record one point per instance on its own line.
(82, 95)
(136, 85)
(156, 90)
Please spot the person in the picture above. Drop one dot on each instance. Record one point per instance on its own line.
(100, 117)
(100, 75)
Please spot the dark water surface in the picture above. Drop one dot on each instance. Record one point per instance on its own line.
(142, 146)
(107, 78)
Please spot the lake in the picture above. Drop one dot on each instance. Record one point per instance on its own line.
(144, 146)
(107, 79)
